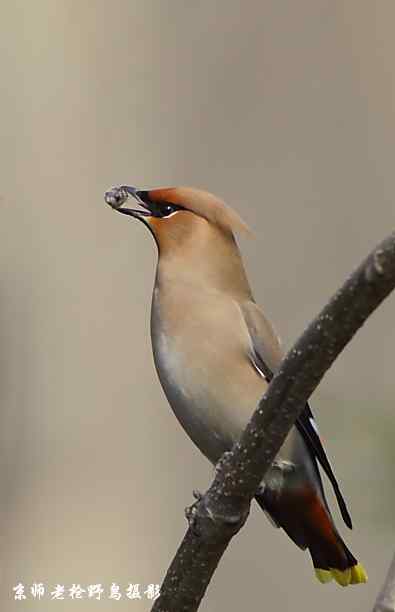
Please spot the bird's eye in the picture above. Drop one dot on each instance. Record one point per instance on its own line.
(164, 209)
(167, 209)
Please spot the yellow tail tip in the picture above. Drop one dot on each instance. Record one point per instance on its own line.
(342, 577)
(352, 575)
(358, 574)
(322, 575)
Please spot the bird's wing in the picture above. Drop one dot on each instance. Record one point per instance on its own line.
(268, 355)
(266, 344)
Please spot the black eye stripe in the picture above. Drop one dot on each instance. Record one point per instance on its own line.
(158, 209)
(143, 195)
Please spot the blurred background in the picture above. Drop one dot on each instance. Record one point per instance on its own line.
(286, 110)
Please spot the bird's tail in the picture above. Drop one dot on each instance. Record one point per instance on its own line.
(305, 518)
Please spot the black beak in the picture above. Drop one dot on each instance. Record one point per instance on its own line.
(117, 196)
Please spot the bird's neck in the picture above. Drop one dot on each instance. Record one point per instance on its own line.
(205, 265)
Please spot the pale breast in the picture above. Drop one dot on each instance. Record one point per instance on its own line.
(201, 349)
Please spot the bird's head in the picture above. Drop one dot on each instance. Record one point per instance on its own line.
(194, 231)
(177, 215)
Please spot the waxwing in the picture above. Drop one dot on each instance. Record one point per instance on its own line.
(215, 353)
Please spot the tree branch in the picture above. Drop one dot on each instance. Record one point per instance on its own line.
(218, 515)
(385, 601)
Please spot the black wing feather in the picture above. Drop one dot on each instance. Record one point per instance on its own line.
(314, 445)
(313, 441)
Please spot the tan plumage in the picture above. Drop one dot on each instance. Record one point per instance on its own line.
(215, 353)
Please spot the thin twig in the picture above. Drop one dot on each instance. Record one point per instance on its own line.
(219, 514)
(385, 601)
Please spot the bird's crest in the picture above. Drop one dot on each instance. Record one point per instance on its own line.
(204, 204)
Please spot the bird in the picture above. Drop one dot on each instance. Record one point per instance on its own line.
(215, 353)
